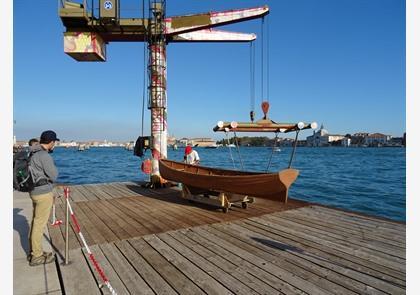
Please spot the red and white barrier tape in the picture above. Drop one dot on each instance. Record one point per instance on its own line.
(91, 257)
(55, 221)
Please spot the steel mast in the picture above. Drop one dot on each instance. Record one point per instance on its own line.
(157, 85)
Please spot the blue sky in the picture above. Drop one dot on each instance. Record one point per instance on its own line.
(340, 63)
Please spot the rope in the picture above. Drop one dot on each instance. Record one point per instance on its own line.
(230, 151)
(272, 151)
(268, 60)
(252, 79)
(144, 74)
(294, 149)
(262, 59)
(239, 153)
(144, 85)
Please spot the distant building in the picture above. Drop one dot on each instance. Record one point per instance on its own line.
(203, 142)
(322, 138)
(171, 140)
(183, 142)
(67, 144)
(361, 134)
(358, 139)
(346, 142)
(285, 142)
(376, 139)
(396, 141)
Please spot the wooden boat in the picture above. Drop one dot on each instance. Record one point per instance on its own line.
(200, 179)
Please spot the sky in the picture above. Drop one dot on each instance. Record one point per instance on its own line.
(339, 63)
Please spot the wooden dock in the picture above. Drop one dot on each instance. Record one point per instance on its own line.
(154, 242)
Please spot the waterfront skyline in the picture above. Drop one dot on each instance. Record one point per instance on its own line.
(324, 66)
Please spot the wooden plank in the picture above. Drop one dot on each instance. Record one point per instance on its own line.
(280, 279)
(374, 240)
(388, 224)
(75, 194)
(284, 258)
(191, 271)
(389, 263)
(324, 233)
(324, 277)
(87, 193)
(134, 227)
(225, 278)
(87, 227)
(124, 189)
(108, 219)
(165, 268)
(261, 279)
(108, 270)
(354, 230)
(135, 211)
(97, 192)
(101, 227)
(151, 211)
(354, 221)
(118, 224)
(132, 281)
(168, 221)
(147, 272)
(222, 259)
(77, 277)
(300, 278)
(357, 224)
(108, 191)
(340, 258)
(345, 268)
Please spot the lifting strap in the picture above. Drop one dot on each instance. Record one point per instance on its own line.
(272, 151)
(230, 151)
(239, 153)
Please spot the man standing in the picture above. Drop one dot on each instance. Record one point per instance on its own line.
(44, 174)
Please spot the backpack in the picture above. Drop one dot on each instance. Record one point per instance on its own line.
(22, 178)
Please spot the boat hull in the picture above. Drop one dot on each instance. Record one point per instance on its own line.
(273, 186)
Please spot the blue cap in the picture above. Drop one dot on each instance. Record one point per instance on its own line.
(48, 136)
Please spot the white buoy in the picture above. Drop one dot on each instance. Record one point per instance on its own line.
(314, 125)
(300, 125)
(220, 124)
(234, 124)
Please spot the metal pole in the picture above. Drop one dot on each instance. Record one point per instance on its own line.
(294, 149)
(66, 251)
(157, 86)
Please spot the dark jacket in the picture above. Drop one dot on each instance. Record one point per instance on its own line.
(42, 169)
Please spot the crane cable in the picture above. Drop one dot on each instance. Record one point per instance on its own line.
(144, 81)
(268, 58)
(252, 80)
(230, 151)
(262, 59)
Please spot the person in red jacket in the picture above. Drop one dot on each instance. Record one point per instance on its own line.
(191, 156)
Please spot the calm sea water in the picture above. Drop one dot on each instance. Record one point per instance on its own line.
(368, 180)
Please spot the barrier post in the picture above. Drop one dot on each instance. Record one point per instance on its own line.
(66, 251)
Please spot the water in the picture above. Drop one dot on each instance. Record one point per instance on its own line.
(367, 180)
